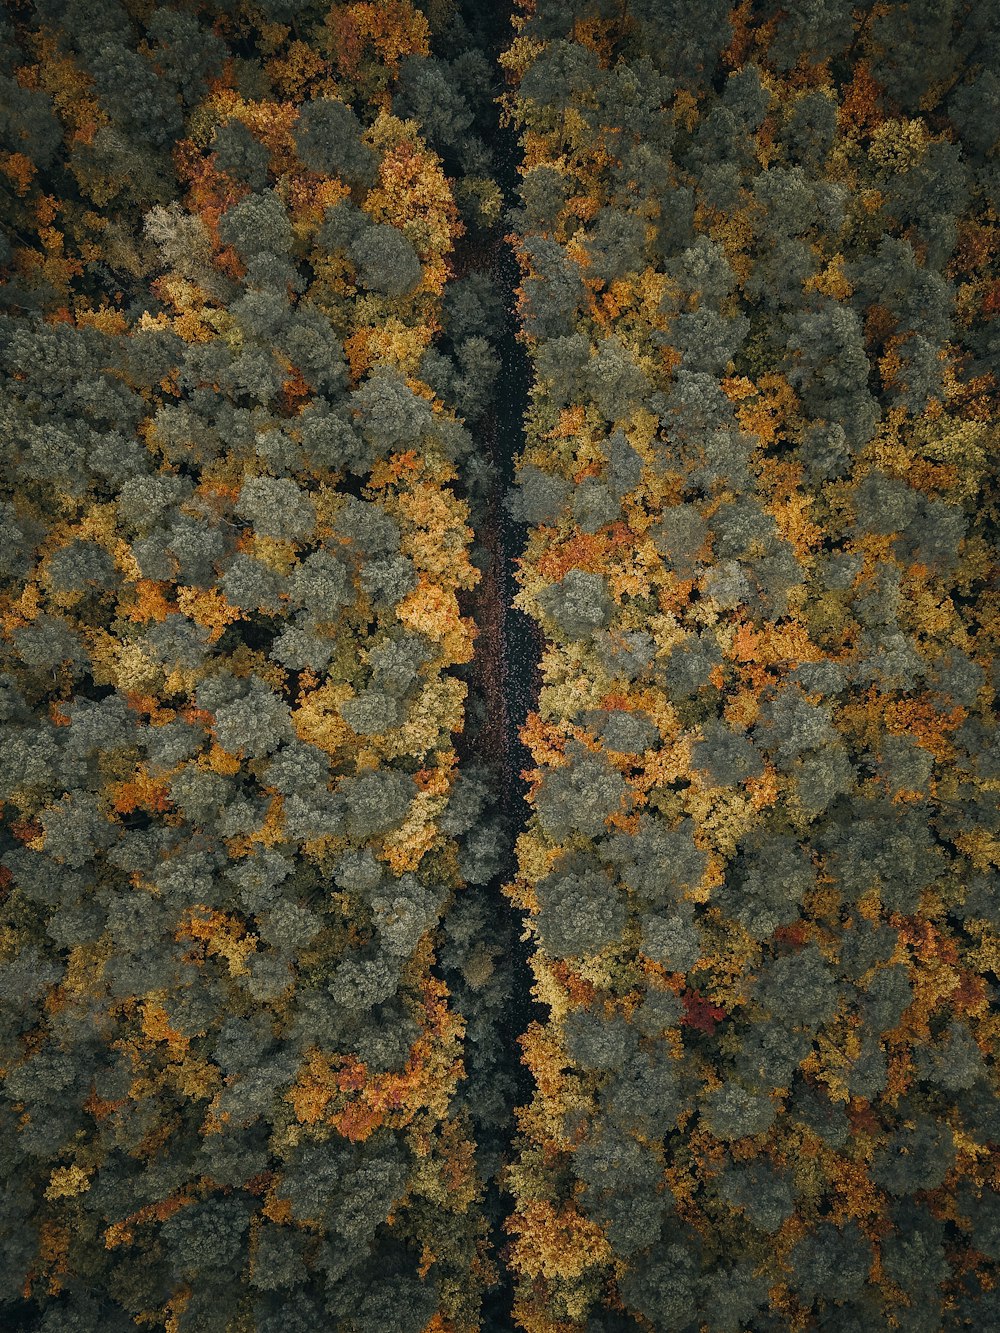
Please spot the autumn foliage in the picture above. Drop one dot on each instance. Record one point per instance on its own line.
(263, 1000)
(237, 562)
(759, 482)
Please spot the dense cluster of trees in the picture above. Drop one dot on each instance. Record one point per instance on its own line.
(255, 979)
(240, 372)
(758, 252)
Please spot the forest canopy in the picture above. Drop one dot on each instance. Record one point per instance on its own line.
(498, 617)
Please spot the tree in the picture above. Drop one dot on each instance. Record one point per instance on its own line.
(810, 129)
(616, 382)
(659, 863)
(386, 260)
(828, 366)
(579, 796)
(631, 732)
(376, 802)
(578, 604)
(831, 1263)
(680, 536)
(554, 290)
(581, 910)
(672, 938)
(207, 1236)
(915, 1158)
(799, 989)
(257, 225)
(759, 1191)
(707, 341)
(616, 244)
(544, 191)
(388, 412)
(276, 507)
(664, 1290)
(428, 92)
(539, 496)
(240, 154)
(328, 140)
(729, 757)
(766, 883)
(822, 28)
